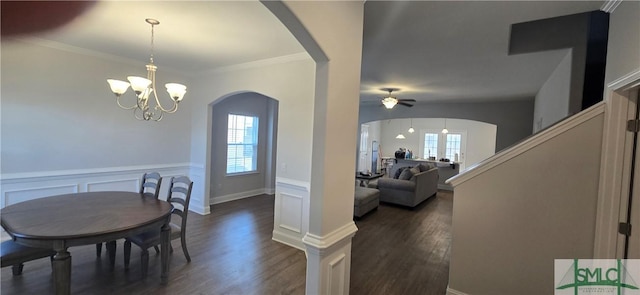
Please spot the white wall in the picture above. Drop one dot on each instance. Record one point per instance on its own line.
(289, 80)
(480, 136)
(552, 100)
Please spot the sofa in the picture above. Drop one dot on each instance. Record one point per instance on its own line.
(409, 186)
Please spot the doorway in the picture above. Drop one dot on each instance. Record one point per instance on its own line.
(243, 147)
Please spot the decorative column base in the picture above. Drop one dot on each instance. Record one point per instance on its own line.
(329, 261)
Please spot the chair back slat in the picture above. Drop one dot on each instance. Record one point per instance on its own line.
(151, 183)
(180, 194)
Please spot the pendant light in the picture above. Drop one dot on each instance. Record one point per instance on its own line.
(445, 131)
(411, 130)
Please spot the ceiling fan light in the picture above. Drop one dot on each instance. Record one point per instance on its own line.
(389, 102)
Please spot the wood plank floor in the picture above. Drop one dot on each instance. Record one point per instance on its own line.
(395, 251)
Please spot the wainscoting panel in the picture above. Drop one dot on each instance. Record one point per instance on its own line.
(292, 206)
(132, 184)
(291, 216)
(11, 197)
(20, 187)
(336, 275)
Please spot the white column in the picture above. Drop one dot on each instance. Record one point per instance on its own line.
(331, 32)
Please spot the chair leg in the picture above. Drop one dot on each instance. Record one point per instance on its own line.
(127, 253)
(144, 261)
(99, 249)
(17, 269)
(184, 249)
(157, 249)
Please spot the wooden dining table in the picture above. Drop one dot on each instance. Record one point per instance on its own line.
(63, 221)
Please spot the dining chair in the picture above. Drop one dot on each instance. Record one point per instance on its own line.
(150, 187)
(15, 255)
(179, 197)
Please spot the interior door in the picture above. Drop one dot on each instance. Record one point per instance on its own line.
(363, 159)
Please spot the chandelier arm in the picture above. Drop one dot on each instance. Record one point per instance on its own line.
(159, 106)
(135, 114)
(124, 107)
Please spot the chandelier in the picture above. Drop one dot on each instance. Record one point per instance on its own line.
(145, 87)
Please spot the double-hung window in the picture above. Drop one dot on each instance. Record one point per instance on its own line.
(242, 144)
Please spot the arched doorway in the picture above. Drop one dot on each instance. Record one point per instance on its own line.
(243, 146)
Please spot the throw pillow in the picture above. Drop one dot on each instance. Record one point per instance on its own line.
(406, 174)
(397, 174)
(422, 167)
(415, 170)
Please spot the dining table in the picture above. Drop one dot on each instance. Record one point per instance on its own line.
(64, 221)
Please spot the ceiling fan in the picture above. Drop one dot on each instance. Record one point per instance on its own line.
(390, 101)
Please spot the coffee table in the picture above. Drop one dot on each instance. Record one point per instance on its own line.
(64, 221)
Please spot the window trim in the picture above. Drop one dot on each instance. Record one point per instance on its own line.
(255, 144)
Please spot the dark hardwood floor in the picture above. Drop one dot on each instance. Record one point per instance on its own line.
(395, 251)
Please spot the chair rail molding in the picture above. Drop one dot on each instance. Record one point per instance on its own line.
(19, 187)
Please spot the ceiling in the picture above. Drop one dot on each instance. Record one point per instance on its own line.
(433, 51)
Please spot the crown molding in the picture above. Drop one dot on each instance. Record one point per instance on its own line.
(92, 53)
(610, 5)
(260, 63)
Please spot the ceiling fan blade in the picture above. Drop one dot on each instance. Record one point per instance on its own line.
(407, 99)
(405, 104)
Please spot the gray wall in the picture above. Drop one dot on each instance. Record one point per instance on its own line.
(552, 100)
(512, 118)
(568, 31)
(586, 34)
(58, 113)
(248, 104)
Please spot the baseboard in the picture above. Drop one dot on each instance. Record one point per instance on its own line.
(445, 187)
(454, 292)
(241, 195)
(289, 240)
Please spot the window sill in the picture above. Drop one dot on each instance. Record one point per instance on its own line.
(242, 173)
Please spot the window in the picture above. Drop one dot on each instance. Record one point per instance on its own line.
(452, 147)
(434, 143)
(242, 144)
(430, 145)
